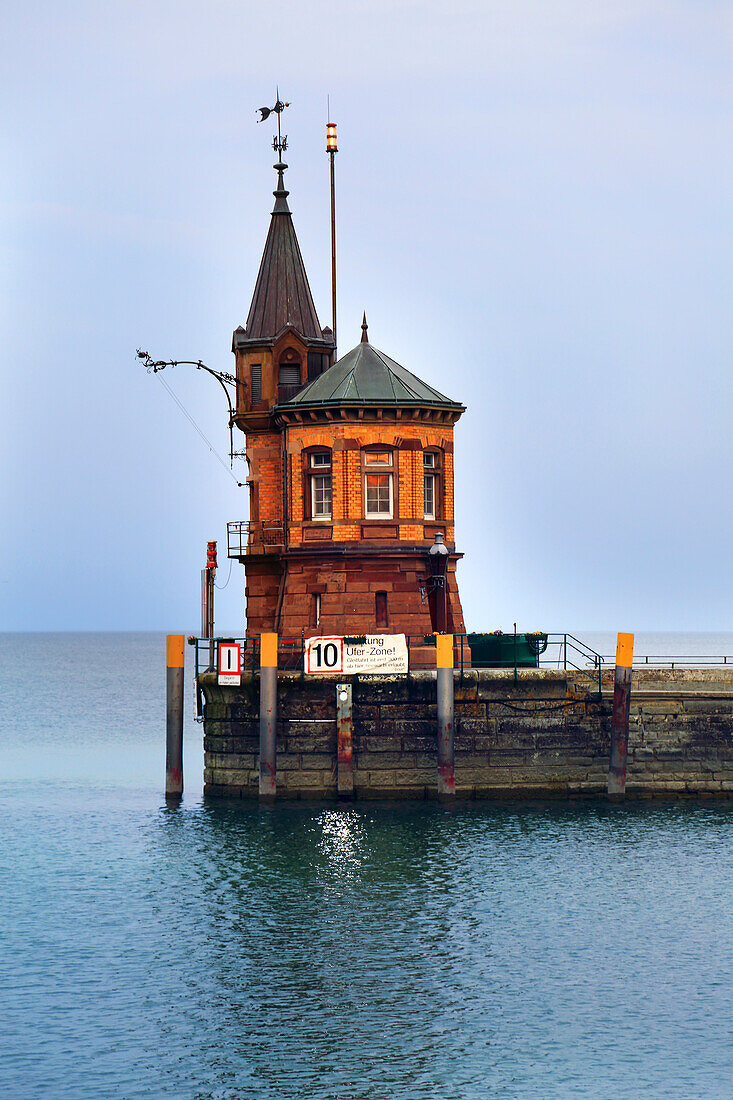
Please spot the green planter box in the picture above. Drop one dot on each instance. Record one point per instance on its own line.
(498, 650)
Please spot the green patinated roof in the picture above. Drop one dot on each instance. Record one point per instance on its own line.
(366, 376)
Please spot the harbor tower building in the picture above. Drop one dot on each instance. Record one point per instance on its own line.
(349, 467)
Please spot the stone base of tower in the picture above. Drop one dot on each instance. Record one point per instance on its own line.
(362, 594)
(263, 592)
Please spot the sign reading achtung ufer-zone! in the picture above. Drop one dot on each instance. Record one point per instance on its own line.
(372, 653)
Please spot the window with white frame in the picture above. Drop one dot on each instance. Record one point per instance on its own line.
(429, 480)
(320, 484)
(378, 484)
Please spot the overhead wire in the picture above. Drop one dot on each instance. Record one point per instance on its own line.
(221, 587)
(195, 426)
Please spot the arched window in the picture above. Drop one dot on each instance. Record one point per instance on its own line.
(378, 465)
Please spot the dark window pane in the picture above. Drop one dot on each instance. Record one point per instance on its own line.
(317, 363)
(256, 383)
(289, 374)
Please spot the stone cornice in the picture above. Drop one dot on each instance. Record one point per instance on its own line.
(359, 414)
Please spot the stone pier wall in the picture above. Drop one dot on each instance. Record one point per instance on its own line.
(545, 734)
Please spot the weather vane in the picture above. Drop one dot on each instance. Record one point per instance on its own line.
(279, 144)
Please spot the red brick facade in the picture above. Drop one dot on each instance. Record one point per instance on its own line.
(347, 559)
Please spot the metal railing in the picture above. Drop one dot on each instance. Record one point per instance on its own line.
(566, 651)
(553, 650)
(246, 535)
(290, 653)
(561, 651)
(678, 660)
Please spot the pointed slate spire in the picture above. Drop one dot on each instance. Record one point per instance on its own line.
(364, 327)
(282, 295)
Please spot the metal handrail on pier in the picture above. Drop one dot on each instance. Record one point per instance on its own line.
(549, 650)
(556, 650)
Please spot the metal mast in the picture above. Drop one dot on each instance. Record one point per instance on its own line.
(332, 149)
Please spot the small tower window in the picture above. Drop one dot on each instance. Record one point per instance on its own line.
(380, 601)
(428, 459)
(256, 383)
(288, 381)
(320, 484)
(317, 362)
(378, 484)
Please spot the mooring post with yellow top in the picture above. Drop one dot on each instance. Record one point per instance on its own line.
(446, 756)
(621, 711)
(268, 715)
(174, 653)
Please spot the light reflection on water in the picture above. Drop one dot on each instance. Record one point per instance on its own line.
(230, 950)
(341, 842)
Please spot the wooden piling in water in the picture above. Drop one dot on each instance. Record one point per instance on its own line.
(174, 716)
(268, 716)
(446, 755)
(620, 718)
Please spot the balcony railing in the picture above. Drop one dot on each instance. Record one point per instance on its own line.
(248, 536)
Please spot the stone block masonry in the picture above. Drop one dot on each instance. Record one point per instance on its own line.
(548, 734)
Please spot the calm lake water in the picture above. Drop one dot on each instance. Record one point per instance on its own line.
(374, 951)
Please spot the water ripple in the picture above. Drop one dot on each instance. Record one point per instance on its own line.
(228, 951)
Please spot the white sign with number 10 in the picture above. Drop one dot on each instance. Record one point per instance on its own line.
(376, 653)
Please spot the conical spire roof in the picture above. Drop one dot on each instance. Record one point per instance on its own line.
(282, 295)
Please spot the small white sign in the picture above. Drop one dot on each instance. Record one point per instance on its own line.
(377, 653)
(230, 664)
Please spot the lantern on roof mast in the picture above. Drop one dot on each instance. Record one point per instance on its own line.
(332, 149)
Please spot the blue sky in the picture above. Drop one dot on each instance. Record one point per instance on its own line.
(533, 208)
